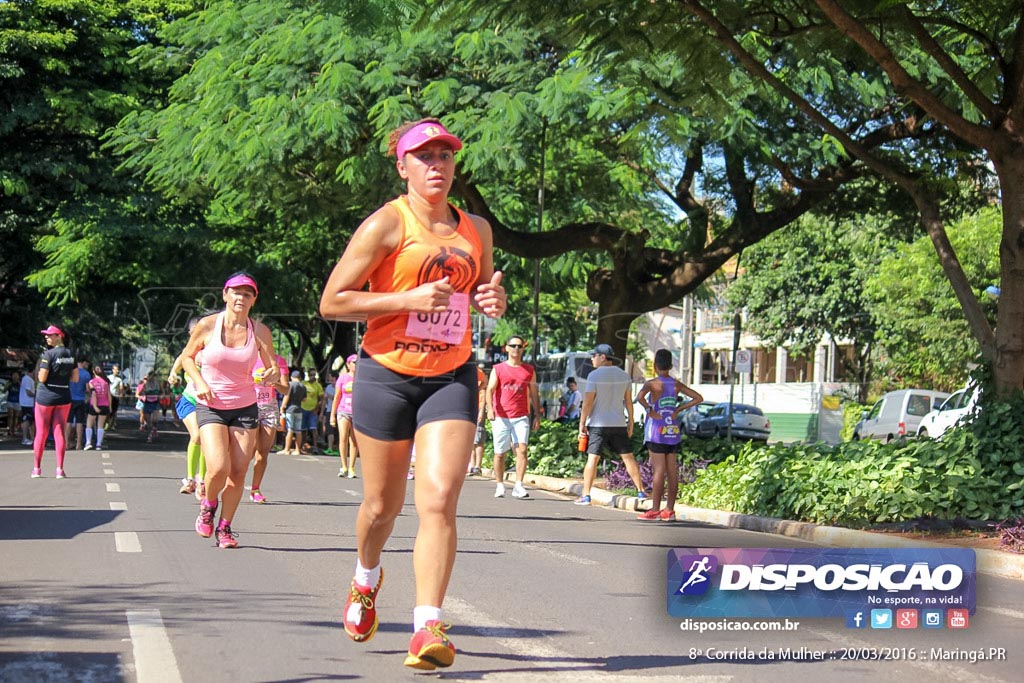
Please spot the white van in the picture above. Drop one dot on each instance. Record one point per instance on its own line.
(897, 414)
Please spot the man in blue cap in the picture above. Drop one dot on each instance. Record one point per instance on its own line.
(607, 418)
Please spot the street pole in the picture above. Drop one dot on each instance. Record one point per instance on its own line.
(540, 228)
(736, 330)
(732, 373)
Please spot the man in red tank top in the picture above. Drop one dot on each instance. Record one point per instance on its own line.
(511, 397)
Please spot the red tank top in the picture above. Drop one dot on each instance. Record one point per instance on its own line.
(422, 344)
(228, 370)
(512, 395)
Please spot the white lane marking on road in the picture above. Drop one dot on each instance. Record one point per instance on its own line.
(118, 506)
(151, 647)
(127, 542)
(1012, 613)
(105, 455)
(522, 641)
(939, 668)
(525, 643)
(559, 554)
(107, 471)
(113, 488)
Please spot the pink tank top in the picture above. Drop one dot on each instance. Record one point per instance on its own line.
(228, 371)
(265, 394)
(344, 386)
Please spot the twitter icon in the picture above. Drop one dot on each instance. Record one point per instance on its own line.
(881, 618)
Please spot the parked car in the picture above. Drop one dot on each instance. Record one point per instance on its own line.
(897, 414)
(961, 404)
(692, 417)
(748, 422)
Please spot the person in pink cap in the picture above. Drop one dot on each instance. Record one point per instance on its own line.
(426, 263)
(341, 417)
(56, 371)
(225, 393)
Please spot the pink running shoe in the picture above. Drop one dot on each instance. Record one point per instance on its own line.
(59, 474)
(225, 537)
(36, 473)
(257, 497)
(204, 522)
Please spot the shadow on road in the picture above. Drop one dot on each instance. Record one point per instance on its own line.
(45, 524)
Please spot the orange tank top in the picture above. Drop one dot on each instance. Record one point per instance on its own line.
(426, 344)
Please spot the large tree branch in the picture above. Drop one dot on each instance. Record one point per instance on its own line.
(759, 71)
(931, 46)
(569, 237)
(1014, 94)
(902, 81)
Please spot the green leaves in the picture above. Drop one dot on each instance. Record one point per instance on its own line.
(973, 473)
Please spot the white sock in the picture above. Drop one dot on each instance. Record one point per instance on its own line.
(421, 614)
(99, 438)
(88, 435)
(367, 577)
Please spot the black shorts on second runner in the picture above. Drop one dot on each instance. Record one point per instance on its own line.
(390, 406)
(246, 418)
(666, 448)
(613, 439)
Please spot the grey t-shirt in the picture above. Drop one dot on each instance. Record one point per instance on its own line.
(610, 384)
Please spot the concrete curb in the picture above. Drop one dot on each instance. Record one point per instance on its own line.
(996, 562)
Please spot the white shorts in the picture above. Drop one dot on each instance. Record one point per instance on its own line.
(510, 430)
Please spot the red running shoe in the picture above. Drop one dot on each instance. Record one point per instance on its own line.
(360, 617)
(430, 647)
(204, 522)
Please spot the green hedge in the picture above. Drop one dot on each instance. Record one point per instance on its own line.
(973, 473)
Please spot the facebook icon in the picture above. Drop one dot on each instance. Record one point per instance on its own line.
(856, 619)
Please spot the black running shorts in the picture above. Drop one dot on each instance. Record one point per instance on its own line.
(665, 448)
(246, 418)
(390, 406)
(612, 439)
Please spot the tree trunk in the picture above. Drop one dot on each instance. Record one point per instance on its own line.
(1008, 364)
(618, 292)
(965, 291)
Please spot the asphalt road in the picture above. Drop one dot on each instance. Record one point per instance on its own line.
(102, 578)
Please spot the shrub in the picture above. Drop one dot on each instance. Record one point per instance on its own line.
(975, 473)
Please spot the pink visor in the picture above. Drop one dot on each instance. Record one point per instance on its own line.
(352, 359)
(421, 134)
(242, 281)
(52, 329)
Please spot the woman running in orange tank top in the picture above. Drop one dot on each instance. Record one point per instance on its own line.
(426, 263)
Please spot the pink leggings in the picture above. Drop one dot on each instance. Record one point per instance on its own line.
(47, 417)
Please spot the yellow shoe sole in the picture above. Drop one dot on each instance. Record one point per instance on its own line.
(431, 657)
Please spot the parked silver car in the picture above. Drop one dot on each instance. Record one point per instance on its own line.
(692, 417)
(748, 422)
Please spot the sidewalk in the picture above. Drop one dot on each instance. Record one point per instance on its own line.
(997, 562)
